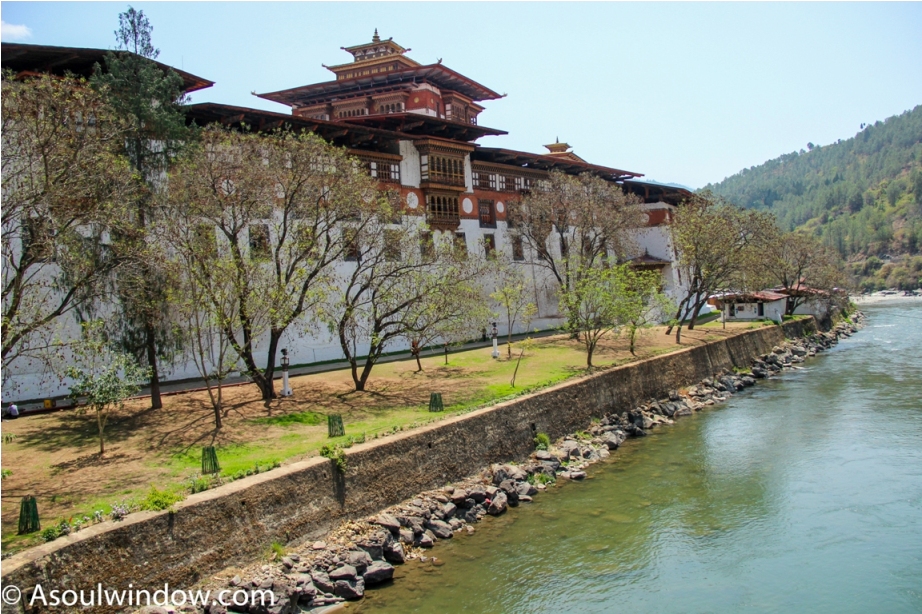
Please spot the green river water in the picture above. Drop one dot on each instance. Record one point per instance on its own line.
(803, 494)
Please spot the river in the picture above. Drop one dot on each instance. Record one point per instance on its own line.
(803, 494)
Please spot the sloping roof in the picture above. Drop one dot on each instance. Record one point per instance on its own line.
(763, 296)
(424, 125)
(438, 74)
(21, 58)
(547, 163)
(652, 191)
(347, 135)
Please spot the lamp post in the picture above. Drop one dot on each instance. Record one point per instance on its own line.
(495, 348)
(286, 388)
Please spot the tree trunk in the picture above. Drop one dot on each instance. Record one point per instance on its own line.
(101, 426)
(633, 338)
(678, 316)
(151, 346)
(267, 386)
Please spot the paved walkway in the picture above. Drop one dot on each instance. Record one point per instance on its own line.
(177, 387)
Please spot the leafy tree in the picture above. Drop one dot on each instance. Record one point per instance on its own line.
(149, 100)
(512, 296)
(65, 186)
(850, 193)
(646, 303)
(573, 224)
(103, 377)
(602, 301)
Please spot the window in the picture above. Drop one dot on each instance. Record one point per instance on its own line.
(442, 209)
(392, 245)
(460, 245)
(37, 240)
(351, 252)
(442, 169)
(383, 170)
(259, 241)
(426, 246)
(489, 245)
(487, 213)
(505, 183)
(206, 241)
(518, 249)
(484, 181)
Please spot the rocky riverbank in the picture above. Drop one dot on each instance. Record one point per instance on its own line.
(364, 553)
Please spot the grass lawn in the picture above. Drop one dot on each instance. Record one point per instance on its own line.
(55, 456)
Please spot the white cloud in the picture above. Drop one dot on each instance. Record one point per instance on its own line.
(9, 31)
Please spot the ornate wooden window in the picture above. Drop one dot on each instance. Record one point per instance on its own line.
(259, 241)
(383, 167)
(484, 180)
(426, 246)
(438, 168)
(489, 245)
(487, 213)
(351, 252)
(392, 245)
(442, 210)
(460, 245)
(518, 248)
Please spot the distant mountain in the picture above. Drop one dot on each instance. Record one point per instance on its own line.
(862, 195)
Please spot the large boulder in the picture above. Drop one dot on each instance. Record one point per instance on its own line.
(322, 581)
(440, 529)
(498, 505)
(350, 590)
(478, 494)
(524, 489)
(358, 559)
(345, 572)
(389, 522)
(378, 572)
(393, 552)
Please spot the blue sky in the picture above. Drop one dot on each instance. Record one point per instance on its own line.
(683, 92)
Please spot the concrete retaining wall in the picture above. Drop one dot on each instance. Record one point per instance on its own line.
(236, 523)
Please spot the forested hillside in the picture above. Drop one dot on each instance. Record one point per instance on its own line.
(862, 196)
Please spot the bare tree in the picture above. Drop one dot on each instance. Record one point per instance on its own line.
(402, 289)
(571, 224)
(279, 203)
(803, 267)
(64, 192)
(512, 296)
(720, 248)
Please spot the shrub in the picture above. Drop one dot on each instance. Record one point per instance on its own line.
(541, 478)
(335, 454)
(157, 500)
(276, 551)
(542, 441)
(51, 533)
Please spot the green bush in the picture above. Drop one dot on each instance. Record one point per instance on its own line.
(51, 533)
(542, 441)
(157, 500)
(335, 454)
(541, 478)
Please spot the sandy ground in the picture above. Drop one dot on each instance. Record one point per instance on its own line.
(877, 298)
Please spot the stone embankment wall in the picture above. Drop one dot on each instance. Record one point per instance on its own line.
(236, 523)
